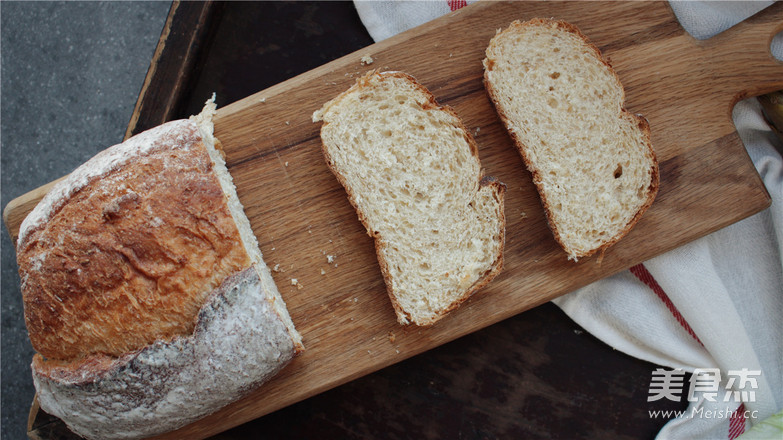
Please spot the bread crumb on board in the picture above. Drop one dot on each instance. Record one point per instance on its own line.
(323, 272)
(330, 258)
(262, 100)
(295, 282)
(392, 338)
(367, 60)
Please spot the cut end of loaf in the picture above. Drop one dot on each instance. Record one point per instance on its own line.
(204, 121)
(563, 104)
(412, 172)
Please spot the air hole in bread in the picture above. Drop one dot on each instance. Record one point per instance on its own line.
(555, 75)
(618, 171)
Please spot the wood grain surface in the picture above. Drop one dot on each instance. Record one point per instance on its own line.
(686, 89)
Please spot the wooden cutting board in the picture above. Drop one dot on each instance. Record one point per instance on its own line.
(300, 214)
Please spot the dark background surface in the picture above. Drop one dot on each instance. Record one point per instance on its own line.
(70, 77)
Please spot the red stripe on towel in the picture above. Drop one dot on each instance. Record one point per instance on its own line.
(737, 422)
(646, 277)
(457, 4)
(737, 419)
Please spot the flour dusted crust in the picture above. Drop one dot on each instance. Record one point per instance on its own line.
(146, 296)
(176, 134)
(239, 342)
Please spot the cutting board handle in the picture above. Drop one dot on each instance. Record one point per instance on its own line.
(736, 53)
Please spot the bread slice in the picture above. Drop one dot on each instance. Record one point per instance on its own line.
(146, 295)
(562, 103)
(412, 171)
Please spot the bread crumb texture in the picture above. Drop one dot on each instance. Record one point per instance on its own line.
(591, 160)
(412, 172)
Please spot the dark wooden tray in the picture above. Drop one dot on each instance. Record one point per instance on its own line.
(533, 375)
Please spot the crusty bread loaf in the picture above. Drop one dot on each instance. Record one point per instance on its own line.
(412, 171)
(562, 103)
(145, 292)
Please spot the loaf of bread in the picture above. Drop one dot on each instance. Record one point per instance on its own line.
(145, 292)
(562, 103)
(412, 171)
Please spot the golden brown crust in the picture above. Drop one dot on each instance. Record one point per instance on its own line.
(640, 121)
(139, 291)
(404, 317)
(130, 257)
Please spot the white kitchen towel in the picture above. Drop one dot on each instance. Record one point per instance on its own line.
(384, 19)
(727, 291)
(713, 307)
